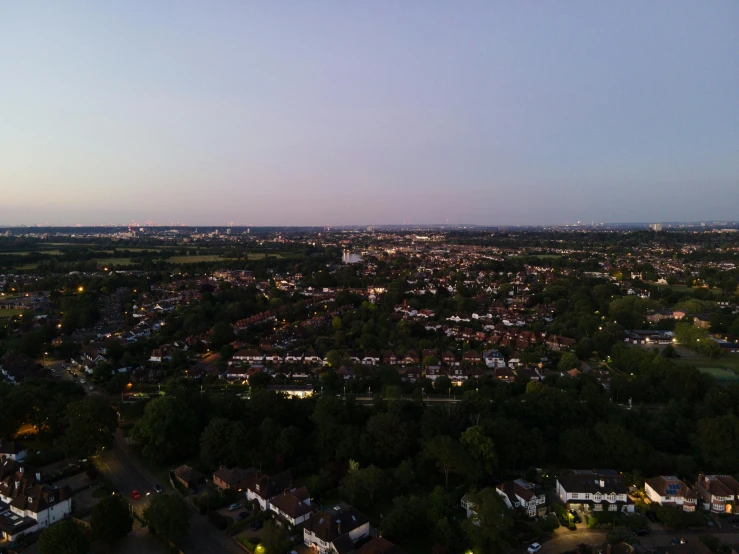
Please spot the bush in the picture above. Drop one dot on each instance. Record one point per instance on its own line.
(247, 543)
(677, 519)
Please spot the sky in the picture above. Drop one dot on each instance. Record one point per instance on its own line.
(375, 112)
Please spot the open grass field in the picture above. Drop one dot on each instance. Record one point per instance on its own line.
(727, 361)
(9, 313)
(195, 259)
(113, 261)
(719, 373)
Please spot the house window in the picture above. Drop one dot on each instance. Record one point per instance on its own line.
(575, 495)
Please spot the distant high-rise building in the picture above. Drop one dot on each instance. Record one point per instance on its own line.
(656, 226)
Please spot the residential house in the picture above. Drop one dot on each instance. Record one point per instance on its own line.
(599, 491)
(413, 373)
(293, 357)
(336, 530)
(523, 495)
(378, 545)
(262, 488)
(493, 359)
(312, 357)
(27, 505)
(670, 491)
(410, 358)
(447, 358)
(471, 357)
(188, 477)
(12, 450)
(272, 358)
(371, 358)
(719, 492)
(389, 358)
(234, 479)
(292, 506)
(249, 355)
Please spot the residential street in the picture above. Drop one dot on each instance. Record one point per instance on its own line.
(128, 474)
(564, 540)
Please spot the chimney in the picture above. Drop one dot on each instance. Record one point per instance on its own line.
(602, 484)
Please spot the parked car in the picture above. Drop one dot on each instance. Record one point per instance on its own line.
(258, 524)
(233, 507)
(158, 488)
(534, 548)
(242, 515)
(642, 532)
(575, 517)
(135, 494)
(82, 381)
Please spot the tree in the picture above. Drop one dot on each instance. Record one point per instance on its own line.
(336, 323)
(490, 523)
(222, 334)
(167, 431)
(275, 539)
(64, 537)
(480, 447)
(442, 384)
(90, 425)
(445, 451)
(568, 361)
(715, 438)
(110, 520)
(117, 384)
(333, 358)
(214, 441)
(167, 515)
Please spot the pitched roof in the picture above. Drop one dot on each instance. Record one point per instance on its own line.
(293, 503)
(233, 475)
(670, 486)
(603, 482)
(379, 545)
(268, 487)
(333, 524)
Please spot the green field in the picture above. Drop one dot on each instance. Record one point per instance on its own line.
(727, 361)
(112, 261)
(719, 373)
(10, 313)
(195, 259)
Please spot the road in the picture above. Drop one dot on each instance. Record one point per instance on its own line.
(127, 473)
(564, 540)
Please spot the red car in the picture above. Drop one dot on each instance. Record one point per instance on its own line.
(135, 495)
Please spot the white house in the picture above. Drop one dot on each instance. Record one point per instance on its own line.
(521, 494)
(12, 450)
(262, 488)
(28, 506)
(292, 507)
(601, 491)
(335, 530)
(493, 359)
(670, 491)
(250, 356)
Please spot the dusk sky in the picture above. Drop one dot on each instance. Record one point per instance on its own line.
(316, 113)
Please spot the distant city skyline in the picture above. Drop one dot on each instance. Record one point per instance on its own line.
(482, 113)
